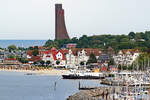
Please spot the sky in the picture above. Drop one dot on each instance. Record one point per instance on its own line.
(35, 19)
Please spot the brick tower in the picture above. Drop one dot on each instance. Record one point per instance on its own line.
(60, 27)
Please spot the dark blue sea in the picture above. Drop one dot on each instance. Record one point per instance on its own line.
(18, 86)
(21, 43)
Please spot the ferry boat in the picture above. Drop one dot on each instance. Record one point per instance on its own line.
(83, 74)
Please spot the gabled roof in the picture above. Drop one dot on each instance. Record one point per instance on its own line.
(65, 51)
(54, 54)
(131, 51)
(29, 52)
(63, 55)
(88, 51)
(35, 58)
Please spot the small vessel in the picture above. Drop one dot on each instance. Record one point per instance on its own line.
(83, 74)
(30, 74)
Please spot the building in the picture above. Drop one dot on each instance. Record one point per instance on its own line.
(78, 55)
(56, 57)
(110, 51)
(103, 58)
(70, 45)
(60, 27)
(10, 62)
(126, 57)
(1, 56)
(33, 59)
(59, 59)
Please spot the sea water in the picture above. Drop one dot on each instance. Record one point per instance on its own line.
(19, 86)
(21, 43)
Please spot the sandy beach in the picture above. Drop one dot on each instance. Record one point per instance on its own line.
(39, 72)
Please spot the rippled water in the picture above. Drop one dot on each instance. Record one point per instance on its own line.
(21, 43)
(18, 86)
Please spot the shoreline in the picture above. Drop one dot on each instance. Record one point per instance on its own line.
(50, 72)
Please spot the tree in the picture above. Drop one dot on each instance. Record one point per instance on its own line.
(81, 63)
(117, 42)
(57, 62)
(111, 62)
(119, 67)
(131, 35)
(22, 60)
(11, 56)
(21, 48)
(143, 60)
(30, 48)
(36, 47)
(12, 47)
(48, 62)
(42, 62)
(74, 40)
(92, 59)
(34, 63)
(130, 67)
(35, 52)
(124, 67)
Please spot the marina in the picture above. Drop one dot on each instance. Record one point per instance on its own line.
(127, 78)
(125, 85)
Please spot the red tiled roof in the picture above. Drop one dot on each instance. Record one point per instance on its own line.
(10, 59)
(62, 52)
(54, 54)
(96, 52)
(29, 52)
(35, 58)
(132, 51)
(65, 51)
(41, 47)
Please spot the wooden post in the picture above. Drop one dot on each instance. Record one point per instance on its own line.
(55, 86)
(79, 85)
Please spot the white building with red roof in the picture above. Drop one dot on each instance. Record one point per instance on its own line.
(56, 57)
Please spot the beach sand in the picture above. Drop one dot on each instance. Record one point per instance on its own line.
(40, 72)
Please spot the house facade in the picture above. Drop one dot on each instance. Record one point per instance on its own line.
(76, 56)
(126, 57)
(64, 57)
(56, 57)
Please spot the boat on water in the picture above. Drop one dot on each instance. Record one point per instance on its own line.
(83, 74)
(127, 79)
(30, 74)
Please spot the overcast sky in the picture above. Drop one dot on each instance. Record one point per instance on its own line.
(35, 19)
